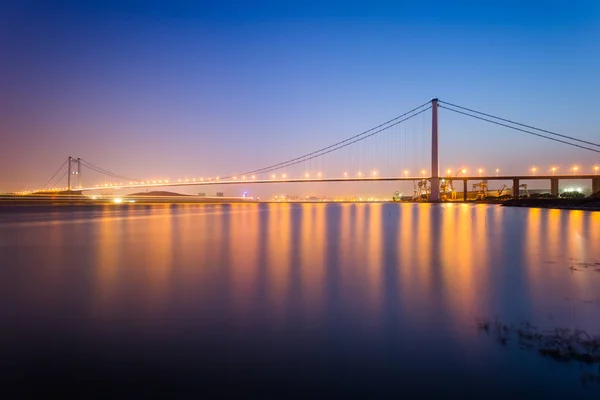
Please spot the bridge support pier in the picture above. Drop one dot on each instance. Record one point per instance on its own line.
(595, 185)
(554, 187)
(435, 176)
(515, 191)
(465, 190)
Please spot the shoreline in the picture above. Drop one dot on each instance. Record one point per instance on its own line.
(585, 204)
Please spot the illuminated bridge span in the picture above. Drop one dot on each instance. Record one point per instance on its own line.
(383, 143)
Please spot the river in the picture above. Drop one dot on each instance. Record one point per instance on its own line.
(326, 300)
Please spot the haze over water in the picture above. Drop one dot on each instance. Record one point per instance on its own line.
(301, 299)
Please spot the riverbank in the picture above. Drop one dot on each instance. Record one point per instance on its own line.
(587, 204)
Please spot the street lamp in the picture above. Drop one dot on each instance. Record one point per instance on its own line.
(497, 171)
(596, 168)
(423, 172)
(449, 172)
(553, 170)
(480, 171)
(464, 171)
(405, 173)
(575, 170)
(533, 170)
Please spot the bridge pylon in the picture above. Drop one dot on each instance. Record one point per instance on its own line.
(435, 176)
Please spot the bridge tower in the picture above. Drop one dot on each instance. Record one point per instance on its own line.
(435, 177)
(69, 172)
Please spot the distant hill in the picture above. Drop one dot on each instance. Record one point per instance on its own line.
(157, 193)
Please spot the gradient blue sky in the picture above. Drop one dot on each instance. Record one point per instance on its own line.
(182, 88)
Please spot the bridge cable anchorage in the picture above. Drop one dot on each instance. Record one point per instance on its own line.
(341, 144)
(106, 172)
(53, 176)
(520, 124)
(521, 130)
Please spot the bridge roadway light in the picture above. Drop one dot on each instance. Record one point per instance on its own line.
(464, 171)
(553, 169)
(449, 171)
(480, 171)
(374, 173)
(596, 168)
(253, 176)
(284, 176)
(345, 174)
(405, 173)
(319, 174)
(273, 176)
(575, 170)
(497, 171)
(359, 173)
(533, 170)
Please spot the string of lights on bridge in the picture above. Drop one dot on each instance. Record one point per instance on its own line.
(283, 177)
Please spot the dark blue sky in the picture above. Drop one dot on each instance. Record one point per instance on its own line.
(173, 89)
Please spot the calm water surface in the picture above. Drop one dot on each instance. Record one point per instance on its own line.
(367, 300)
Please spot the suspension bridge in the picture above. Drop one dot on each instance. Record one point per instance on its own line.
(386, 139)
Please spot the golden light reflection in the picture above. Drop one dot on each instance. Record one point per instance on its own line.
(278, 263)
(312, 252)
(374, 257)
